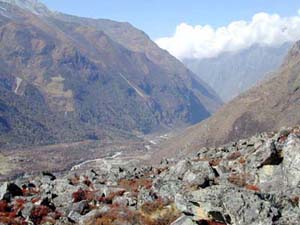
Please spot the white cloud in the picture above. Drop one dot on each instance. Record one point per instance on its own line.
(299, 12)
(205, 41)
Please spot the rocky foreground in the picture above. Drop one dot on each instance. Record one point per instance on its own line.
(253, 181)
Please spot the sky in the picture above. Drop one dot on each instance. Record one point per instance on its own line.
(197, 28)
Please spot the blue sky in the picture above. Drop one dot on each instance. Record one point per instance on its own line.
(159, 18)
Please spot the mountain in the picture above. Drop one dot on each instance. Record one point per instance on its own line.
(232, 73)
(65, 78)
(268, 106)
(34, 6)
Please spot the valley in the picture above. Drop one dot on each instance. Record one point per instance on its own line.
(61, 158)
(101, 126)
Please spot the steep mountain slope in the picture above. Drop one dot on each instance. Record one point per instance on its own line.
(232, 73)
(78, 78)
(269, 106)
(137, 41)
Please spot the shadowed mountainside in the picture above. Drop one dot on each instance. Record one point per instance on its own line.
(65, 78)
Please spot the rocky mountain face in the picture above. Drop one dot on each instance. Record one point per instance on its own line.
(249, 182)
(65, 79)
(230, 74)
(268, 106)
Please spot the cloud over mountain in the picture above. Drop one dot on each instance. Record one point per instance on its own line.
(206, 42)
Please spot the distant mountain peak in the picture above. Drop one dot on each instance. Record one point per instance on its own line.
(34, 6)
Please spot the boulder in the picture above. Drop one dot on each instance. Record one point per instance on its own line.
(81, 207)
(3, 189)
(184, 220)
(74, 216)
(92, 215)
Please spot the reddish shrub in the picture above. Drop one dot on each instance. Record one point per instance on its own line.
(234, 156)
(109, 199)
(122, 215)
(252, 188)
(158, 204)
(214, 162)
(158, 171)
(237, 180)
(116, 215)
(35, 200)
(37, 214)
(30, 191)
(159, 212)
(9, 215)
(81, 195)
(18, 205)
(135, 184)
(241, 179)
(3, 206)
(242, 161)
(295, 201)
(12, 221)
(88, 182)
(103, 220)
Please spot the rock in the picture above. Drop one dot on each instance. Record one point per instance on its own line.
(253, 181)
(183, 220)
(168, 189)
(92, 215)
(3, 189)
(121, 201)
(74, 216)
(178, 171)
(7, 197)
(81, 207)
(247, 208)
(183, 205)
(63, 221)
(228, 205)
(28, 206)
(289, 214)
(200, 174)
(276, 178)
(291, 161)
(50, 175)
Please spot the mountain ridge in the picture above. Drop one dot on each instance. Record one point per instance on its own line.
(89, 79)
(268, 106)
(233, 73)
(34, 6)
